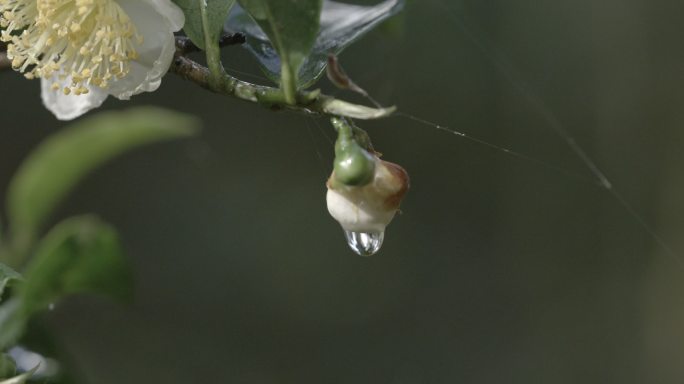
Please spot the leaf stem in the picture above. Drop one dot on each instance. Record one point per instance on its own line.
(212, 49)
(288, 75)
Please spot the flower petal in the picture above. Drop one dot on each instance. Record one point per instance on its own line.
(170, 11)
(68, 107)
(351, 208)
(156, 20)
(371, 207)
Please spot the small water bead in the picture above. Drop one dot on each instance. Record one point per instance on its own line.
(365, 243)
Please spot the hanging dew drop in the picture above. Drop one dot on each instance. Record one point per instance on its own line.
(364, 243)
(364, 192)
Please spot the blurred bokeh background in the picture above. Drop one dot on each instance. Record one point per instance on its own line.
(499, 270)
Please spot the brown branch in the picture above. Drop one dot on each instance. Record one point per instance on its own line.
(200, 75)
(191, 71)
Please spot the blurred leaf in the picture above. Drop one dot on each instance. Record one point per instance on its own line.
(12, 322)
(40, 340)
(340, 25)
(291, 26)
(21, 379)
(79, 255)
(54, 168)
(7, 366)
(217, 11)
(7, 274)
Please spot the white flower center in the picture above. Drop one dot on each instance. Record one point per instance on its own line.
(91, 41)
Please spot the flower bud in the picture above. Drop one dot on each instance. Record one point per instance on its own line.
(364, 192)
(353, 165)
(368, 208)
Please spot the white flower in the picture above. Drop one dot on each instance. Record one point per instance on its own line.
(85, 50)
(368, 208)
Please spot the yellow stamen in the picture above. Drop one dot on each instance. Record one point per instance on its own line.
(89, 40)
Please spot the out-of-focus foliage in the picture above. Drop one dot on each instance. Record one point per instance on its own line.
(54, 168)
(80, 254)
(7, 274)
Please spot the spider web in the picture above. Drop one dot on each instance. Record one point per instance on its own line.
(590, 170)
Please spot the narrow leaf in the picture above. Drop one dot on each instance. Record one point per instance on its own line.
(79, 255)
(217, 12)
(340, 25)
(7, 366)
(12, 323)
(54, 168)
(291, 26)
(20, 379)
(7, 275)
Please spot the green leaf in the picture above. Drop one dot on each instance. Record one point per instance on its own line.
(13, 322)
(21, 379)
(54, 168)
(7, 366)
(292, 27)
(79, 255)
(340, 25)
(217, 14)
(7, 275)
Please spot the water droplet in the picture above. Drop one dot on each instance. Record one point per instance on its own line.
(365, 243)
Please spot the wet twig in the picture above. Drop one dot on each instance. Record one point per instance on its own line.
(306, 101)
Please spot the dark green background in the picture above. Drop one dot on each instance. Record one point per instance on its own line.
(500, 270)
